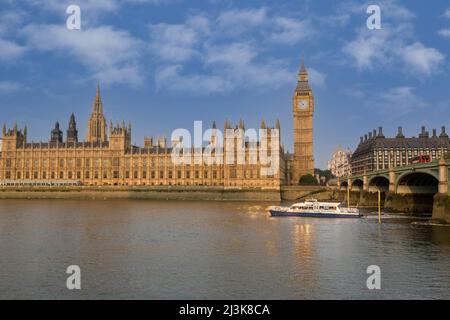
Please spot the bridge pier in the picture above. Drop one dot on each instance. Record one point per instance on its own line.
(441, 205)
(409, 203)
(370, 199)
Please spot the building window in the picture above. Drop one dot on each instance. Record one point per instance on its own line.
(127, 174)
(135, 174)
(161, 174)
(78, 175)
(179, 174)
(116, 174)
(144, 175)
(36, 175)
(87, 175)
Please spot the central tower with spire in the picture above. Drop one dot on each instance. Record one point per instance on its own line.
(97, 122)
(303, 110)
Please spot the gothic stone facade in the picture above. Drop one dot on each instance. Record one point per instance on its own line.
(111, 159)
(303, 111)
(115, 161)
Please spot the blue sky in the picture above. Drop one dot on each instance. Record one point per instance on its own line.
(164, 63)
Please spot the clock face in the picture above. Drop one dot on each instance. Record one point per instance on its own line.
(303, 104)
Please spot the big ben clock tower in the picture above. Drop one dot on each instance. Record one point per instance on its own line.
(303, 109)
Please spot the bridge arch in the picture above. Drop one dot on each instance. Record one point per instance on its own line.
(343, 185)
(378, 183)
(417, 182)
(357, 185)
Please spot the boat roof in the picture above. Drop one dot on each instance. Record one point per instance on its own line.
(329, 204)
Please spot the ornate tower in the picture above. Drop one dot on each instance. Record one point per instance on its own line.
(97, 123)
(56, 134)
(119, 136)
(13, 138)
(303, 109)
(72, 132)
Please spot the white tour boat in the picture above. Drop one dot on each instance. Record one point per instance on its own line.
(315, 209)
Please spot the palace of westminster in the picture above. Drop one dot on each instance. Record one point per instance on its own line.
(107, 157)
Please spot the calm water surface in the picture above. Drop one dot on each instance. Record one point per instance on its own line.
(211, 250)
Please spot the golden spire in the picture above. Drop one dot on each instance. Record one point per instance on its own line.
(98, 107)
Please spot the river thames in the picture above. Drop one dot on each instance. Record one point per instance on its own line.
(212, 250)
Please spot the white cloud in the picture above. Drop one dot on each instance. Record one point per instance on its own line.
(233, 54)
(393, 47)
(239, 64)
(92, 5)
(398, 101)
(10, 20)
(223, 46)
(447, 13)
(368, 48)
(9, 87)
(444, 32)
(120, 75)
(170, 78)
(422, 59)
(317, 78)
(85, 5)
(105, 51)
(228, 67)
(10, 50)
(173, 42)
(238, 21)
(291, 31)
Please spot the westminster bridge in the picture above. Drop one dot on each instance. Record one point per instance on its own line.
(416, 188)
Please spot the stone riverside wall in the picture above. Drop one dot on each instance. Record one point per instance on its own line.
(441, 208)
(150, 193)
(300, 193)
(170, 193)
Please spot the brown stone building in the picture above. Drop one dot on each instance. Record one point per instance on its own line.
(377, 152)
(107, 156)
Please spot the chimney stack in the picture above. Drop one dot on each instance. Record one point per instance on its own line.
(380, 132)
(424, 133)
(400, 133)
(443, 133)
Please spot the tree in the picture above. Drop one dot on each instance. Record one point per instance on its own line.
(324, 173)
(308, 180)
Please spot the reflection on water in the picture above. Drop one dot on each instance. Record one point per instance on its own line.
(212, 250)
